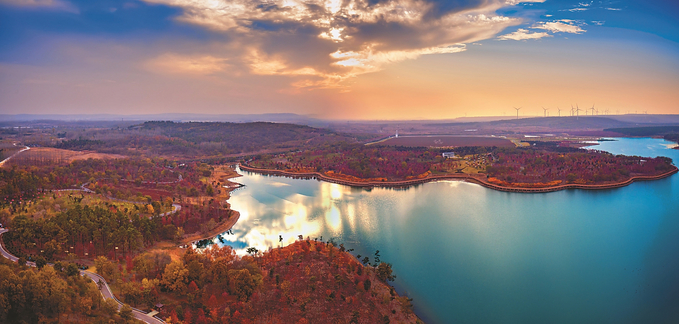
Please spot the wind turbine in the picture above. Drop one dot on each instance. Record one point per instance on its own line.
(577, 111)
(545, 109)
(517, 111)
(572, 111)
(559, 109)
(593, 110)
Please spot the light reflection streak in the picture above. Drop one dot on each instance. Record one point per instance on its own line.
(272, 208)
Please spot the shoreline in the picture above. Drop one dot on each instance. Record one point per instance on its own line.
(480, 180)
(221, 228)
(223, 175)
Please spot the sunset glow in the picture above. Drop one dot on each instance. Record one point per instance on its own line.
(357, 59)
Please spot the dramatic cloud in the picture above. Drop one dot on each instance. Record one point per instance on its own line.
(323, 42)
(523, 34)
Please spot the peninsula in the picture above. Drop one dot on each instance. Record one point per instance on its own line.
(527, 169)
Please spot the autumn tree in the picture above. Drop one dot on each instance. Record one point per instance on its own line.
(384, 272)
(242, 283)
(175, 277)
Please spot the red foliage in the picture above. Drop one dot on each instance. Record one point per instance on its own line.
(386, 162)
(193, 287)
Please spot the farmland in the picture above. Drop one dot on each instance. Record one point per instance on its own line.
(446, 141)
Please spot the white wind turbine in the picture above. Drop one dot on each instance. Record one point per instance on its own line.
(517, 111)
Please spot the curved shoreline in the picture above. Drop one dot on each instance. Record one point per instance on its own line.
(480, 180)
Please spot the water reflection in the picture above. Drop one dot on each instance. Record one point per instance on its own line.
(274, 207)
(274, 211)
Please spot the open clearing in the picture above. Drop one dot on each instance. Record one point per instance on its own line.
(446, 140)
(52, 155)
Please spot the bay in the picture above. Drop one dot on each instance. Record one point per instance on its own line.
(468, 254)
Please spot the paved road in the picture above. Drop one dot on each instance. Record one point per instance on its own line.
(105, 290)
(26, 148)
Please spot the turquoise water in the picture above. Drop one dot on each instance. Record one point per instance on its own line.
(467, 254)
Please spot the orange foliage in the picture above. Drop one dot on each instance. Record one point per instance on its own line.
(347, 177)
(524, 184)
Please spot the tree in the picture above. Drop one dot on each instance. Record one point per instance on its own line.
(72, 270)
(242, 283)
(366, 284)
(175, 277)
(193, 288)
(126, 312)
(212, 302)
(110, 307)
(105, 268)
(384, 272)
(365, 260)
(40, 262)
(51, 248)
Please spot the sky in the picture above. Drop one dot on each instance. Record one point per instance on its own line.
(339, 59)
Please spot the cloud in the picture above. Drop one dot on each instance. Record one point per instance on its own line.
(320, 43)
(560, 26)
(178, 64)
(524, 34)
(47, 4)
(515, 2)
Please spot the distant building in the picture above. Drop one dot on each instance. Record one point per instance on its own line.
(448, 155)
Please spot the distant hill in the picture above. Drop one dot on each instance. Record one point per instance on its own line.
(647, 119)
(581, 122)
(178, 117)
(646, 131)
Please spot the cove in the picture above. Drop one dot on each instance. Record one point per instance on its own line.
(468, 254)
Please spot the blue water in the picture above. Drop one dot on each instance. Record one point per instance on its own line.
(467, 254)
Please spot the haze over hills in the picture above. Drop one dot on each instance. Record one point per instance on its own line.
(178, 117)
(312, 121)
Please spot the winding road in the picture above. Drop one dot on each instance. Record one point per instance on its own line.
(26, 148)
(105, 289)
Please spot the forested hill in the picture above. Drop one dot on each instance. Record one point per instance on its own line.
(199, 140)
(256, 133)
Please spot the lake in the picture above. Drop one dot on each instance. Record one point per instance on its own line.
(468, 254)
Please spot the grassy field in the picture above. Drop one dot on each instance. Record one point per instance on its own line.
(447, 141)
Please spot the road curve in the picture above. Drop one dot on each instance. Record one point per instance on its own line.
(26, 148)
(105, 289)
